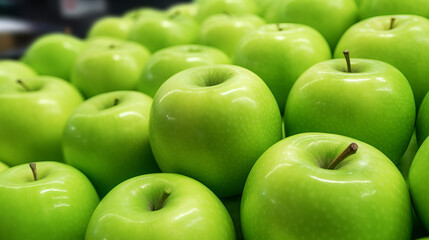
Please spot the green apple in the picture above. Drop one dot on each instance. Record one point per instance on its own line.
(407, 38)
(135, 14)
(3, 167)
(168, 61)
(208, 8)
(187, 9)
(331, 18)
(157, 32)
(114, 27)
(232, 204)
(280, 53)
(54, 202)
(295, 192)
(224, 31)
(107, 138)
(33, 114)
(54, 54)
(160, 206)
(212, 123)
(15, 69)
(372, 102)
(371, 8)
(418, 179)
(422, 122)
(109, 64)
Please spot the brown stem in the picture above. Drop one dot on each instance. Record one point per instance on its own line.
(116, 102)
(34, 170)
(347, 56)
(23, 85)
(392, 21)
(351, 149)
(161, 201)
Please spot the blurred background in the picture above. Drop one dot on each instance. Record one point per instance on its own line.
(21, 21)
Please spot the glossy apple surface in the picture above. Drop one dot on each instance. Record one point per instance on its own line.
(114, 27)
(279, 54)
(208, 8)
(107, 138)
(12, 69)
(56, 206)
(187, 9)
(290, 194)
(212, 123)
(32, 121)
(374, 103)
(408, 39)
(109, 64)
(371, 8)
(168, 61)
(186, 209)
(54, 54)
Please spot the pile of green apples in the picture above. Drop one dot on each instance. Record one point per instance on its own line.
(222, 119)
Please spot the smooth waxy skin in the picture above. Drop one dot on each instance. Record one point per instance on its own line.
(3, 167)
(422, 122)
(418, 179)
(409, 39)
(54, 55)
(135, 14)
(110, 143)
(373, 104)
(166, 62)
(32, 122)
(371, 8)
(224, 31)
(56, 206)
(280, 56)
(107, 65)
(331, 18)
(289, 195)
(186, 9)
(208, 8)
(191, 211)
(12, 69)
(211, 123)
(157, 32)
(113, 27)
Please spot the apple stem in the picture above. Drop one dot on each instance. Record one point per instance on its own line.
(351, 149)
(392, 21)
(174, 14)
(347, 56)
(161, 201)
(116, 102)
(34, 170)
(227, 13)
(23, 85)
(279, 27)
(68, 30)
(112, 46)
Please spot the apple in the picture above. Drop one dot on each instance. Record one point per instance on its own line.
(187, 9)
(33, 112)
(135, 14)
(157, 32)
(418, 179)
(55, 201)
(371, 8)
(109, 64)
(53, 54)
(115, 27)
(3, 167)
(208, 8)
(107, 138)
(406, 159)
(330, 18)
(392, 39)
(168, 61)
(160, 206)
(422, 122)
(224, 31)
(280, 53)
(14, 69)
(212, 123)
(307, 187)
(368, 100)
(232, 204)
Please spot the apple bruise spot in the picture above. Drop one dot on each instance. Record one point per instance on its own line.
(351, 149)
(160, 202)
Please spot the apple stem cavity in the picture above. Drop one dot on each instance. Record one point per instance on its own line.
(351, 149)
(392, 22)
(116, 102)
(160, 203)
(347, 56)
(34, 170)
(23, 85)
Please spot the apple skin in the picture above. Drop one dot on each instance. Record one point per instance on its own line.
(56, 206)
(108, 143)
(317, 14)
(59, 50)
(406, 160)
(422, 122)
(212, 123)
(279, 57)
(114, 27)
(224, 31)
(12, 69)
(157, 32)
(191, 211)
(135, 14)
(3, 167)
(168, 61)
(109, 64)
(374, 104)
(187, 9)
(32, 122)
(409, 39)
(290, 195)
(208, 8)
(372, 8)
